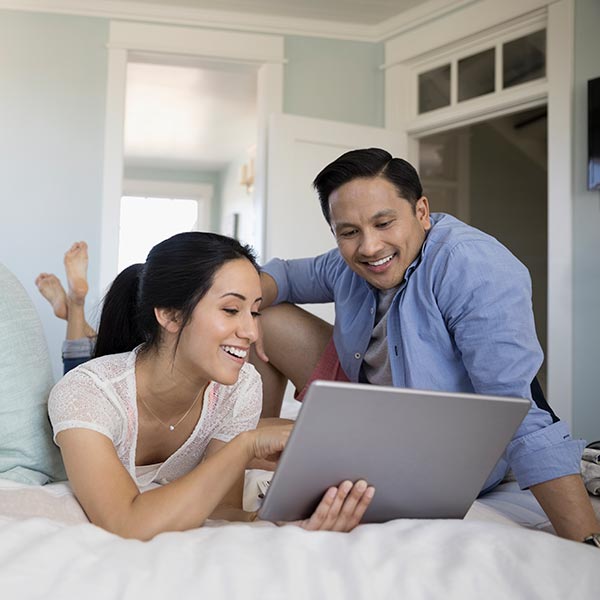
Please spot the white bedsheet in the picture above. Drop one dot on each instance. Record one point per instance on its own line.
(484, 556)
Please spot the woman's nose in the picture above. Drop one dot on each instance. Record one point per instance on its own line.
(248, 328)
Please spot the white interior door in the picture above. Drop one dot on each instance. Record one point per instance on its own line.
(298, 148)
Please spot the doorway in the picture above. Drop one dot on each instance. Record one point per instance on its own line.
(493, 175)
(190, 133)
(130, 41)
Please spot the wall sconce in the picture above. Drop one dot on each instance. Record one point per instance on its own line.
(247, 176)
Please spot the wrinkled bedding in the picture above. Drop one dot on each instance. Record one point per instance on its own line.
(49, 550)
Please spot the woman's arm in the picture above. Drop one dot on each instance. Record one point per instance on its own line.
(112, 500)
(231, 506)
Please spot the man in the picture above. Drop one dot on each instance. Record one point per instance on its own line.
(422, 301)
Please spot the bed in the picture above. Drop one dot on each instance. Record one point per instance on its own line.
(48, 549)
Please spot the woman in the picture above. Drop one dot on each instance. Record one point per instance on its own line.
(171, 399)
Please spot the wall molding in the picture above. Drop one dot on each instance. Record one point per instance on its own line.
(163, 39)
(474, 20)
(240, 21)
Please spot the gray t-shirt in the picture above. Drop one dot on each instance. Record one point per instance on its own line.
(376, 368)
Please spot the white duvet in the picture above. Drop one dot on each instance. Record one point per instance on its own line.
(48, 550)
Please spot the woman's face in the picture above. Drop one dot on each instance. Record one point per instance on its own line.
(215, 343)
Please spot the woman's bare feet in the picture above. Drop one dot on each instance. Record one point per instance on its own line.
(76, 263)
(51, 288)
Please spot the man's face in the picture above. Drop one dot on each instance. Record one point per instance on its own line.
(377, 232)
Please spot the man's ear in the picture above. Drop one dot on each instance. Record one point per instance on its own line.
(422, 212)
(168, 319)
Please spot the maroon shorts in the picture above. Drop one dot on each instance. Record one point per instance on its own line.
(328, 368)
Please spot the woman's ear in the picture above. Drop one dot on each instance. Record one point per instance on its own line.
(168, 319)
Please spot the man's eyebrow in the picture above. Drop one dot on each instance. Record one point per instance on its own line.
(388, 212)
(240, 296)
(341, 225)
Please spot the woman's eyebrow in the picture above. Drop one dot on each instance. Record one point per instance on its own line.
(240, 296)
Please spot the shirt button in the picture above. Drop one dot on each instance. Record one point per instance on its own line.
(357, 355)
(372, 310)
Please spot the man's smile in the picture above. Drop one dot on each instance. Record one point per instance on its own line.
(379, 265)
(381, 261)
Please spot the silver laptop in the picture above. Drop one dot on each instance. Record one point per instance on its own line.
(428, 454)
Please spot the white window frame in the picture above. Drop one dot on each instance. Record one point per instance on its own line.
(490, 22)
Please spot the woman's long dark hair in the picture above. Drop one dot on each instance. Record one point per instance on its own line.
(176, 275)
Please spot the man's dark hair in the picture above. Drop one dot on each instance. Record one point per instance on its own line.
(367, 163)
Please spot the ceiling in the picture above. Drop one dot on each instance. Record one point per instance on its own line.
(365, 12)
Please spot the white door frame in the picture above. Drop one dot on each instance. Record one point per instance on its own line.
(484, 22)
(266, 52)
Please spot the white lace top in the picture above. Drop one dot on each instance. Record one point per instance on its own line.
(101, 395)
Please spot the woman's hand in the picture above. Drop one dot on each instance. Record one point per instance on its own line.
(341, 508)
(268, 465)
(267, 443)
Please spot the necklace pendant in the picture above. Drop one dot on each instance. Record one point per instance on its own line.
(171, 427)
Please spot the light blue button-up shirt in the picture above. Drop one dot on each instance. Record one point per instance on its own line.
(462, 322)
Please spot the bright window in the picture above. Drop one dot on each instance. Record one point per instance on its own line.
(147, 221)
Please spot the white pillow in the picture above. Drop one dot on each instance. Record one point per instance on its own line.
(27, 452)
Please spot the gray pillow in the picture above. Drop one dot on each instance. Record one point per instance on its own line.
(27, 452)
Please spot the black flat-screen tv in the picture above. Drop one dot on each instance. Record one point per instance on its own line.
(594, 134)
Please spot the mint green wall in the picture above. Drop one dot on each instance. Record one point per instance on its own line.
(185, 176)
(586, 234)
(53, 72)
(52, 99)
(334, 79)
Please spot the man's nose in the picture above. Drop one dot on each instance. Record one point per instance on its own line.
(370, 243)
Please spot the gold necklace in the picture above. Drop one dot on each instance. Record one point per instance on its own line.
(187, 412)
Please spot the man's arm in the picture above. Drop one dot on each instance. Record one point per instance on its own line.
(487, 301)
(269, 290)
(301, 280)
(269, 294)
(567, 504)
